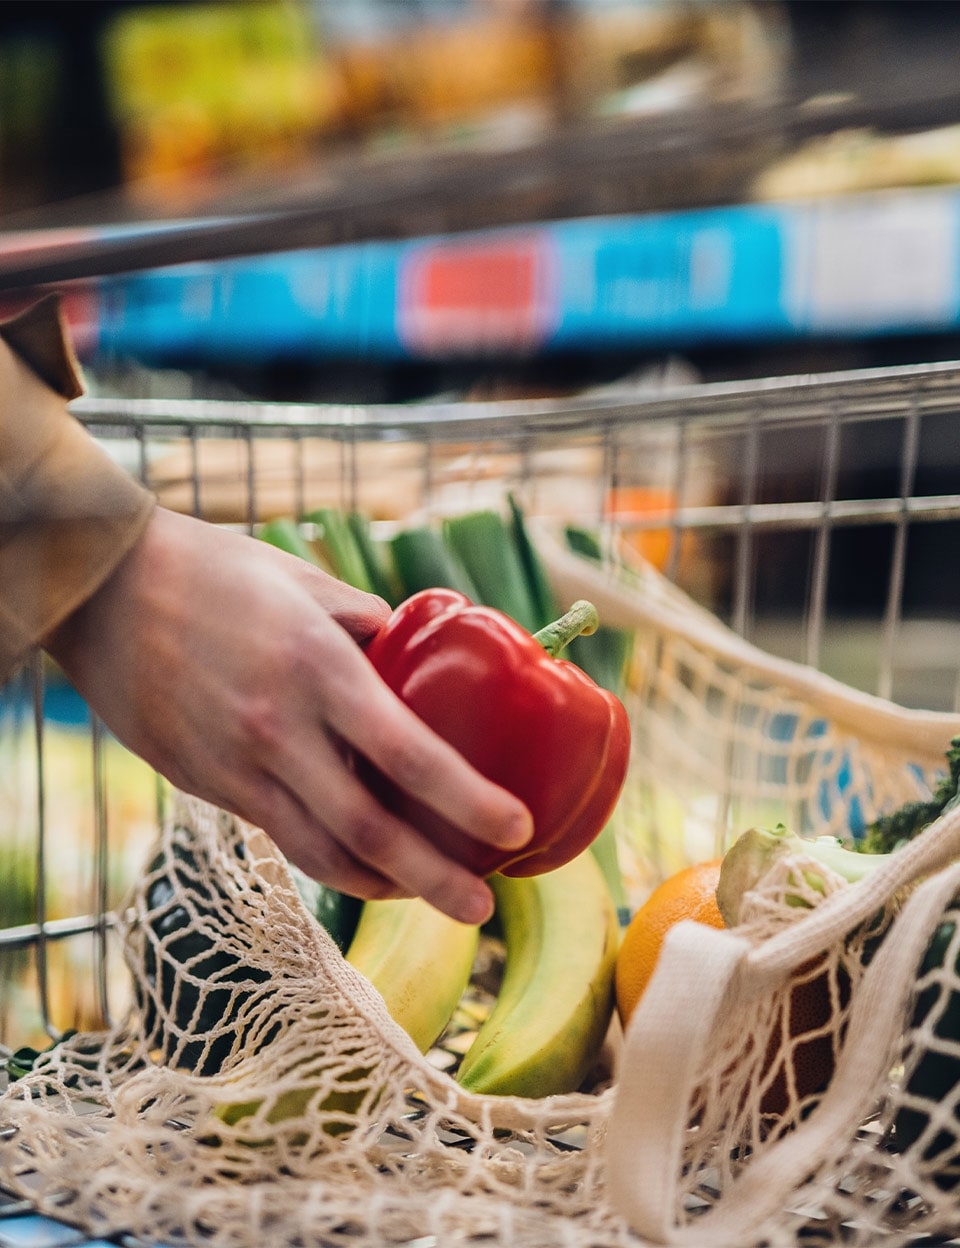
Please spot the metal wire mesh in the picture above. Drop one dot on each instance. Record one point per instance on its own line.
(816, 515)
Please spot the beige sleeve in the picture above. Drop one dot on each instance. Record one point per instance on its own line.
(68, 513)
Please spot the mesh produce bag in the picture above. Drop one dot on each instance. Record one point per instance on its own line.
(260, 1094)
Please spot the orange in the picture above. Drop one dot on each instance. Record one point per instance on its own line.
(804, 1043)
(688, 894)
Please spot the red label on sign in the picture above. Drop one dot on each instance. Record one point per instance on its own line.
(478, 296)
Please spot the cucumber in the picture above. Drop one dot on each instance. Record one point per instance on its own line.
(337, 912)
(937, 1073)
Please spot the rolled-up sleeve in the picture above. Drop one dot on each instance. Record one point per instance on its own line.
(68, 513)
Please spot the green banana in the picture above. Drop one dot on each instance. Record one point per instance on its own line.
(418, 959)
(556, 999)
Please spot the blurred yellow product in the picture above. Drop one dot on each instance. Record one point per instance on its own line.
(195, 87)
(69, 815)
(71, 979)
(446, 75)
(466, 71)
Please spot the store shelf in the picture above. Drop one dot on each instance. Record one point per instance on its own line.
(688, 157)
(611, 233)
(857, 266)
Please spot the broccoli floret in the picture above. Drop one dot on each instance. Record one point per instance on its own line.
(889, 831)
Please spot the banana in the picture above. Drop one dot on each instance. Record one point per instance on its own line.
(418, 959)
(556, 1000)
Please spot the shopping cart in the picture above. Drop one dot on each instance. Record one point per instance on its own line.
(815, 516)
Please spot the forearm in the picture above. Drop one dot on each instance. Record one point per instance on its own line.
(68, 514)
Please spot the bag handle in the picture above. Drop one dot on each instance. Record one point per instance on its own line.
(700, 972)
(663, 1057)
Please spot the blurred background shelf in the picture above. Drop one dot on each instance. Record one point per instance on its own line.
(369, 199)
(860, 266)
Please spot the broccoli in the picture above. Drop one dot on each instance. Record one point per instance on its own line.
(885, 833)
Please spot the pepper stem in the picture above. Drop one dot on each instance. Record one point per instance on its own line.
(581, 619)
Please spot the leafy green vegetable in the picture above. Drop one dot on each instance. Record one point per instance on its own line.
(377, 562)
(485, 546)
(338, 542)
(905, 823)
(286, 535)
(606, 655)
(424, 561)
(541, 592)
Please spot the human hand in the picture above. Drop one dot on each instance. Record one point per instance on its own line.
(236, 671)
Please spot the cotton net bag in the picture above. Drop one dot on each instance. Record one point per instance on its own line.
(259, 1093)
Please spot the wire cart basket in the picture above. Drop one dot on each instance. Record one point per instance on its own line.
(815, 516)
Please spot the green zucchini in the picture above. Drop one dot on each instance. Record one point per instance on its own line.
(337, 912)
(936, 1075)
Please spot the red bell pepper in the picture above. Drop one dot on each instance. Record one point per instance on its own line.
(535, 724)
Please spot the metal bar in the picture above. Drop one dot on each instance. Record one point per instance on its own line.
(679, 492)
(144, 468)
(40, 879)
(577, 169)
(101, 865)
(604, 519)
(898, 562)
(743, 563)
(427, 475)
(299, 477)
(251, 481)
(729, 517)
(867, 394)
(350, 487)
(821, 556)
(195, 469)
(26, 934)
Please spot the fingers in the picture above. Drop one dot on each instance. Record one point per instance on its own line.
(347, 839)
(235, 669)
(265, 803)
(362, 615)
(311, 847)
(383, 842)
(362, 710)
